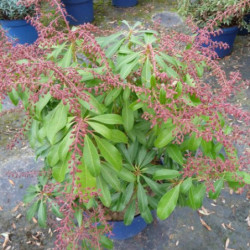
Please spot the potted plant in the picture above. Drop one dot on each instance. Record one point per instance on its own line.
(225, 15)
(126, 124)
(124, 3)
(79, 11)
(12, 20)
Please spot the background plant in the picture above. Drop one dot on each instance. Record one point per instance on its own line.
(135, 91)
(221, 13)
(14, 10)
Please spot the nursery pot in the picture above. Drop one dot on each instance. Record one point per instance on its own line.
(124, 3)
(228, 36)
(244, 31)
(79, 11)
(121, 232)
(19, 31)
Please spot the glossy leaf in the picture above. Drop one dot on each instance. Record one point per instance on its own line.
(118, 136)
(105, 193)
(147, 215)
(142, 198)
(186, 185)
(146, 73)
(175, 153)
(110, 153)
(108, 119)
(59, 170)
(100, 129)
(164, 138)
(32, 210)
(127, 117)
(129, 214)
(168, 203)
(218, 185)
(164, 174)
(42, 214)
(91, 157)
(110, 177)
(86, 180)
(196, 195)
(58, 120)
(112, 95)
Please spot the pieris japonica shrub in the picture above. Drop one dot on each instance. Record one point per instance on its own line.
(125, 123)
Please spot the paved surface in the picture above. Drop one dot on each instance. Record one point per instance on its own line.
(226, 218)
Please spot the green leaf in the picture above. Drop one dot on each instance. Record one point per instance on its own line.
(53, 156)
(125, 60)
(118, 136)
(136, 105)
(78, 215)
(149, 38)
(168, 203)
(196, 195)
(59, 171)
(100, 129)
(114, 48)
(105, 193)
(86, 180)
(186, 185)
(57, 50)
(42, 214)
(56, 210)
(141, 155)
(206, 146)
(112, 95)
(128, 193)
(175, 153)
(127, 117)
(92, 104)
(126, 175)
(14, 97)
(164, 138)
(57, 121)
(85, 75)
(39, 106)
(189, 81)
(106, 242)
(163, 174)
(142, 198)
(104, 41)
(108, 119)
(147, 215)
(91, 157)
(109, 152)
(146, 73)
(66, 60)
(32, 210)
(163, 98)
(178, 89)
(152, 81)
(218, 185)
(64, 145)
(153, 185)
(199, 69)
(172, 73)
(192, 143)
(127, 68)
(129, 214)
(110, 177)
(126, 93)
(169, 59)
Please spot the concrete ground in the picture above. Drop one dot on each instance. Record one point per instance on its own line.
(223, 224)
